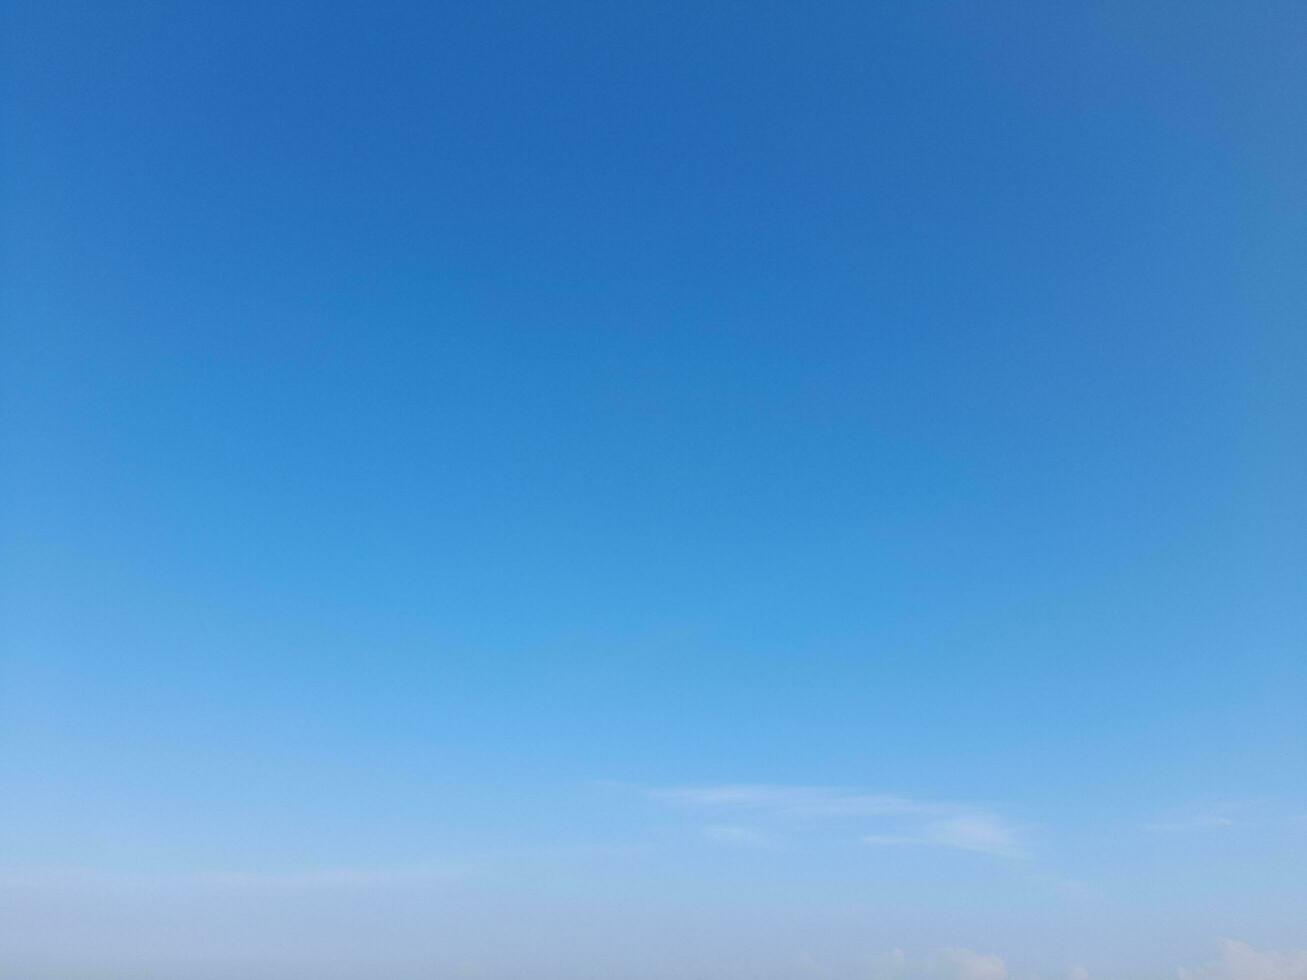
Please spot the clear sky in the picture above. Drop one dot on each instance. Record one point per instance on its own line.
(614, 490)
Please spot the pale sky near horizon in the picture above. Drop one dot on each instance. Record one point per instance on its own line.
(743, 490)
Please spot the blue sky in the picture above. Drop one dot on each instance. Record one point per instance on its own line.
(505, 489)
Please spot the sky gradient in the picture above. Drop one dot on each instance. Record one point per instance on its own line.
(620, 490)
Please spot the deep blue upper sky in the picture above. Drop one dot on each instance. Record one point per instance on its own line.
(437, 428)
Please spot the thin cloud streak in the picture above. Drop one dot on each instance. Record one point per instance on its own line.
(738, 836)
(1218, 816)
(911, 821)
(979, 832)
(799, 801)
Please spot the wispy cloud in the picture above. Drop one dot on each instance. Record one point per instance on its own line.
(966, 964)
(983, 833)
(896, 820)
(1214, 816)
(944, 964)
(800, 801)
(1239, 961)
(803, 801)
(739, 836)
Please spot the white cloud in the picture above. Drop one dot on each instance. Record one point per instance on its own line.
(1239, 961)
(738, 836)
(1216, 816)
(983, 833)
(944, 964)
(800, 801)
(897, 820)
(964, 964)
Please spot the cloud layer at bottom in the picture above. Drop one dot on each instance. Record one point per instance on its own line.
(1239, 961)
(348, 924)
